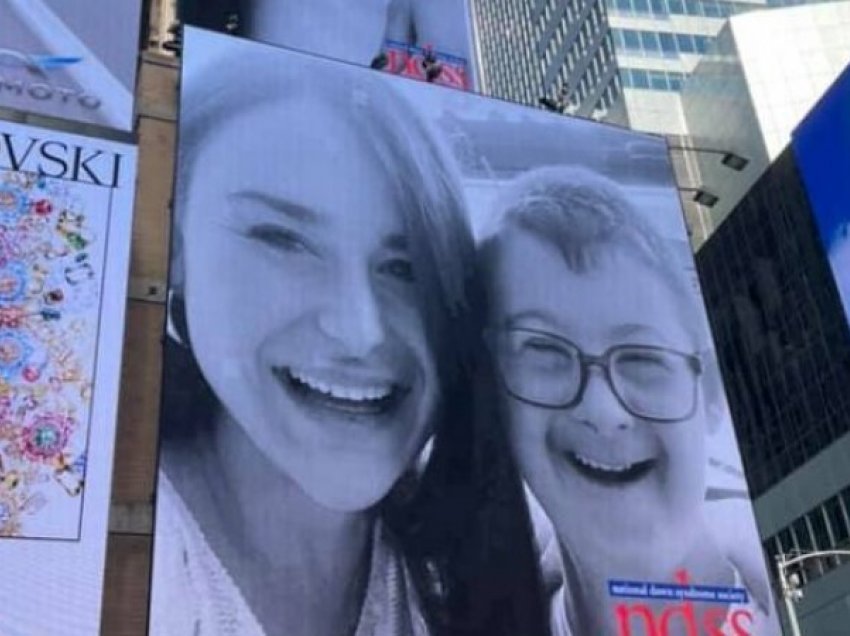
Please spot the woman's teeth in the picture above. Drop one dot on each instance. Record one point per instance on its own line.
(361, 392)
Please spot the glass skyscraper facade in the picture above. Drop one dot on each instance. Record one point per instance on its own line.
(783, 346)
(530, 49)
(781, 335)
(627, 60)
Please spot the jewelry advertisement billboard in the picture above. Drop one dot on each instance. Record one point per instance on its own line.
(66, 206)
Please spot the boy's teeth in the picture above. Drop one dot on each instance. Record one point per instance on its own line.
(611, 468)
(365, 392)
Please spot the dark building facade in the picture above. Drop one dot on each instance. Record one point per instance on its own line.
(784, 349)
(779, 326)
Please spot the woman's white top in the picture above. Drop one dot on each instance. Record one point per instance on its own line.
(193, 594)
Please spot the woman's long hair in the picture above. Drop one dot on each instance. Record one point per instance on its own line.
(461, 524)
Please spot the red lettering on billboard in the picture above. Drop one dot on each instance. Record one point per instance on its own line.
(642, 611)
(736, 618)
(427, 65)
(713, 621)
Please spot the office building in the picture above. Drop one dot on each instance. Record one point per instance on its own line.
(625, 59)
(528, 50)
(648, 64)
(767, 69)
(784, 348)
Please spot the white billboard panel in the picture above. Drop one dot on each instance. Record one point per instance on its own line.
(71, 59)
(66, 206)
(439, 361)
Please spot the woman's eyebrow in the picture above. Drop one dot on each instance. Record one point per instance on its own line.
(292, 210)
(396, 242)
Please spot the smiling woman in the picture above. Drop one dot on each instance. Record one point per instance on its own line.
(319, 456)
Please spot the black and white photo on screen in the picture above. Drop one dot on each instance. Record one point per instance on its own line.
(369, 427)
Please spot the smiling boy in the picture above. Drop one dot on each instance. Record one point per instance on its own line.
(610, 392)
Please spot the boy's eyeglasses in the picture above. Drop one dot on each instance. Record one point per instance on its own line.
(653, 383)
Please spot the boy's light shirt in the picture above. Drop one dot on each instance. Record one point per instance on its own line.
(555, 584)
(551, 565)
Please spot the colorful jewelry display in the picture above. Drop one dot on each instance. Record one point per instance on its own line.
(49, 297)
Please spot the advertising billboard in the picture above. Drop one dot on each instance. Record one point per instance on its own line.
(430, 40)
(424, 64)
(72, 59)
(65, 226)
(821, 146)
(435, 364)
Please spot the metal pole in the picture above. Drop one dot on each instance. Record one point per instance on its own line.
(788, 595)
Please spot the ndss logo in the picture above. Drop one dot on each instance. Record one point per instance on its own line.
(36, 81)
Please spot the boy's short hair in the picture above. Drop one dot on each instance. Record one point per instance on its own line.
(584, 215)
(580, 213)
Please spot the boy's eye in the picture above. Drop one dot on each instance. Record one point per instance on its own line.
(400, 268)
(643, 359)
(278, 237)
(543, 345)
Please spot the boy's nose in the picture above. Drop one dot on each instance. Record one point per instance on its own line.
(600, 409)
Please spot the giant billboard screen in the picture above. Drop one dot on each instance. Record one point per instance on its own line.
(66, 207)
(430, 40)
(822, 149)
(72, 59)
(435, 364)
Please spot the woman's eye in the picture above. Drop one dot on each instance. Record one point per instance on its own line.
(278, 237)
(399, 268)
(542, 345)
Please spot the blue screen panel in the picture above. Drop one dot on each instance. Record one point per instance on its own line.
(822, 149)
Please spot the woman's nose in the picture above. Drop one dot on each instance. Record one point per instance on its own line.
(600, 408)
(352, 316)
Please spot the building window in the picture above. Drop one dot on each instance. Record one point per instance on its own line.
(819, 532)
(656, 80)
(837, 518)
(668, 45)
(639, 78)
(701, 43)
(685, 43)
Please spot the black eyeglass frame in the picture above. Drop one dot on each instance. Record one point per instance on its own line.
(587, 360)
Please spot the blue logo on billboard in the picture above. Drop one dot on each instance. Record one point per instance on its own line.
(40, 87)
(36, 64)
